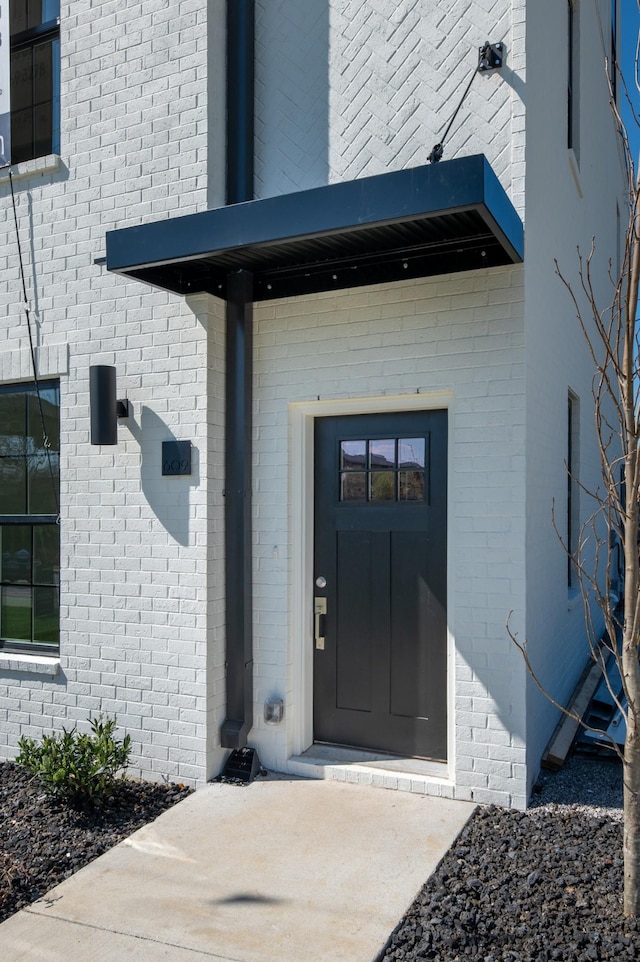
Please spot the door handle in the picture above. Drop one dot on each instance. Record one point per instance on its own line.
(320, 612)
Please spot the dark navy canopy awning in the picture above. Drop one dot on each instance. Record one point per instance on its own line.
(441, 218)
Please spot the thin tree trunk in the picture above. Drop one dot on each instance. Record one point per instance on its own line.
(631, 768)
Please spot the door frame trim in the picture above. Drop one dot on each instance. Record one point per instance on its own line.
(302, 415)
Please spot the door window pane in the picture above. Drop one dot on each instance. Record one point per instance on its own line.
(353, 486)
(353, 455)
(411, 485)
(411, 453)
(383, 486)
(382, 454)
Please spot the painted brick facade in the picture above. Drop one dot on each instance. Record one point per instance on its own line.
(344, 89)
(135, 558)
(458, 340)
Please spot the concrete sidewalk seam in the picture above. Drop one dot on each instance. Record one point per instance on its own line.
(30, 910)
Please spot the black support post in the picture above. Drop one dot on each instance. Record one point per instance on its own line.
(240, 99)
(238, 580)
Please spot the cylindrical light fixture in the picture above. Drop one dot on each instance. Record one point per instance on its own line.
(104, 412)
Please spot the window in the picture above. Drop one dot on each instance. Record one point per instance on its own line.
(391, 469)
(573, 51)
(613, 74)
(573, 514)
(29, 530)
(35, 78)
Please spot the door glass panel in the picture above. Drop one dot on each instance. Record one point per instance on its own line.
(15, 613)
(353, 455)
(383, 486)
(384, 469)
(411, 485)
(382, 455)
(353, 486)
(411, 453)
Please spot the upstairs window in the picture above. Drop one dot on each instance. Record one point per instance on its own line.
(573, 76)
(35, 78)
(573, 489)
(29, 529)
(613, 58)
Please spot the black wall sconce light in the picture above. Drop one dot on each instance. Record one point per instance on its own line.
(105, 408)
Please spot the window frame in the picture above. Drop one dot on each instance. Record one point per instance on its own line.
(32, 521)
(573, 76)
(613, 66)
(573, 488)
(29, 39)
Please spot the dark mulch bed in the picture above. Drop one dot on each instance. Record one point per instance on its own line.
(43, 841)
(518, 887)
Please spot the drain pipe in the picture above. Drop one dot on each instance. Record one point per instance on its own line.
(239, 389)
(240, 99)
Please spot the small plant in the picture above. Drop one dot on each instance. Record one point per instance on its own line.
(76, 766)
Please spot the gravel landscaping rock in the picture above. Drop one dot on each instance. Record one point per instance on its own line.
(43, 841)
(515, 887)
(540, 885)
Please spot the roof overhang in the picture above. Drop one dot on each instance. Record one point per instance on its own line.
(436, 219)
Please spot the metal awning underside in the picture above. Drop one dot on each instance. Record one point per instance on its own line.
(441, 218)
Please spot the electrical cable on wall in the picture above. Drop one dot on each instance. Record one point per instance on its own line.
(45, 437)
(490, 58)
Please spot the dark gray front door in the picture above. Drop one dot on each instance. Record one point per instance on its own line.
(380, 679)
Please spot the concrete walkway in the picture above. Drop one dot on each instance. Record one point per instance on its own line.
(282, 870)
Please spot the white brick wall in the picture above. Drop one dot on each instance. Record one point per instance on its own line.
(136, 571)
(344, 89)
(384, 95)
(584, 189)
(458, 335)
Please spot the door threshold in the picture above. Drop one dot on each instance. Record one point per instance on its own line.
(379, 769)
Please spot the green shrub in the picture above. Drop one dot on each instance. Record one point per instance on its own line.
(78, 767)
